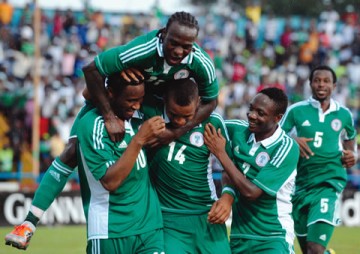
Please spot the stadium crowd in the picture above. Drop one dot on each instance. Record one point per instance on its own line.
(250, 53)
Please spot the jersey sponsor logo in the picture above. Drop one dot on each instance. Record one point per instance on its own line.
(181, 74)
(306, 123)
(262, 158)
(197, 139)
(123, 144)
(336, 124)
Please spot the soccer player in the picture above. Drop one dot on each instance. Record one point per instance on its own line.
(166, 54)
(262, 173)
(120, 204)
(182, 176)
(325, 132)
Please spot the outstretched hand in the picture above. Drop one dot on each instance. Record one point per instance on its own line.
(305, 150)
(221, 209)
(348, 158)
(214, 140)
(132, 75)
(164, 138)
(150, 129)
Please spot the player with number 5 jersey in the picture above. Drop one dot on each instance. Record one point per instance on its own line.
(325, 132)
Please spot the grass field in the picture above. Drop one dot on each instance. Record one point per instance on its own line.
(72, 239)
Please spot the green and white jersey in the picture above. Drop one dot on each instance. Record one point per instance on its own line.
(146, 53)
(181, 171)
(271, 165)
(134, 207)
(327, 129)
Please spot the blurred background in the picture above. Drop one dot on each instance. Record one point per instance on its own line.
(254, 44)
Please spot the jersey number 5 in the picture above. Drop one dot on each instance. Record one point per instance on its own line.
(180, 157)
(318, 139)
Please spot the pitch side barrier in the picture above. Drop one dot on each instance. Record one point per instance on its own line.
(67, 208)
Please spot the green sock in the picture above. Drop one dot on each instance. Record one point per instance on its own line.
(52, 184)
(32, 218)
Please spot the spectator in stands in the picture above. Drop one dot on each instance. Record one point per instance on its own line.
(6, 13)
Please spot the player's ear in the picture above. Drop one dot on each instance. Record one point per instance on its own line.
(198, 101)
(278, 117)
(162, 34)
(110, 92)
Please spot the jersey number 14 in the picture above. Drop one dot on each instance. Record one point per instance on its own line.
(179, 156)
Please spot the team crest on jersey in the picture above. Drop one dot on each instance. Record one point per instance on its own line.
(262, 158)
(197, 139)
(181, 74)
(336, 124)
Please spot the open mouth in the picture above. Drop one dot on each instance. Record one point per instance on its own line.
(174, 60)
(252, 124)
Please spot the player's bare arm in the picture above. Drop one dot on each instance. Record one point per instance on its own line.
(305, 150)
(216, 144)
(117, 173)
(349, 156)
(95, 86)
(132, 75)
(169, 135)
(221, 209)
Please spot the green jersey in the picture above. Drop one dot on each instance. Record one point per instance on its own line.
(270, 164)
(134, 207)
(327, 129)
(182, 172)
(146, 53)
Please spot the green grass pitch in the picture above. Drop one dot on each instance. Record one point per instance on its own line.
(72, 239)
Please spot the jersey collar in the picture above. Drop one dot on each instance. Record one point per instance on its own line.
(334, 106)
(270, 140)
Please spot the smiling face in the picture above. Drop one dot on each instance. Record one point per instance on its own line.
(126, 102)
(322, 85)
(262, 116)
(178, 41)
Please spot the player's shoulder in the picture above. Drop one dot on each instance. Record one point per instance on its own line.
(200, 55)
(236, 122)
(299, 105)
(90, 120)
(236, 125)
(342, 108)
(216, 117)
(288, 145)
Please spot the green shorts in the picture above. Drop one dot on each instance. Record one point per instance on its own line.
(250, 246)
(187, 233)
(319, 205)
(86, 108)
(151, 242)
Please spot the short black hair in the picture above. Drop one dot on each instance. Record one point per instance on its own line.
(182, 91)
(183, 18)
(278, 96)
(117, 83)
(325, 68)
